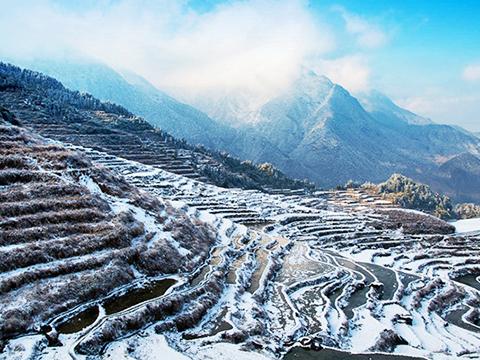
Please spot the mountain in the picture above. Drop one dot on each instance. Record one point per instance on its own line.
(331, 138)
(234, 108)
(159, 109)
(140, 97)
(93, 267)
(314, 129)
(78, 118)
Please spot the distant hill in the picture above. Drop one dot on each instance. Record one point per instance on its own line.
(412, 195)
(461, 177)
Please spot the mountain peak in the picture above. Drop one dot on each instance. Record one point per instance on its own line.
(309, 74)
(309, 77)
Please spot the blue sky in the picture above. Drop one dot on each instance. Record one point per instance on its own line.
(423, 54)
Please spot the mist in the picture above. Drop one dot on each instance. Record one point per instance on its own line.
(257, 45)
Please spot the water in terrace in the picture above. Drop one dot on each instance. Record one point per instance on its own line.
(214, 260)
(455, 317)
(386, 276)
(472, 280)
(232, 274)
(298, 266)
(116, 304)
(137, 296)
(261, 257)
(219, 324)
(80, 321)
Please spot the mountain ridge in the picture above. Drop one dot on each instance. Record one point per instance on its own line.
(317, 130)
(139, 96)
(80, 118)
(322, 126)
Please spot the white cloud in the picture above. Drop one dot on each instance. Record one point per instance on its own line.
(352, 71)
(368, 34)
(252, 43)
(471, 72)
(457, 109)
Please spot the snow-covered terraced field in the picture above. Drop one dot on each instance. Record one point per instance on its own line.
(294, 269)
(224, 273)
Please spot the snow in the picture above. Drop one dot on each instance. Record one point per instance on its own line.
(224, 351)
(466, 226)
(365, 336)
(314, 263)
(20, 349)
(151, 347)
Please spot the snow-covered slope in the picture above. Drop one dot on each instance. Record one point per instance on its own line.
(233, 107)
(274, 271)
(467, 225)
(73, 233)
(314, 129)
(363, 279)
(55, 111)
(325, 134)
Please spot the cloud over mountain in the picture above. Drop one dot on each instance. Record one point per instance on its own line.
(254, 43)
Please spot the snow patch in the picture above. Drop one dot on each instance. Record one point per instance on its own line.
(466, 226)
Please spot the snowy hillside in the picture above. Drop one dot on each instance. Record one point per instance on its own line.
(74, 233)
(384, 109)
(290, 270)
(54, 111)
(314, 129)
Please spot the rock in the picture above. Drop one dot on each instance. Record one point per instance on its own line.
(403, 319)
(316, 344)
(388, 341)
(235, 337)
(53, 339)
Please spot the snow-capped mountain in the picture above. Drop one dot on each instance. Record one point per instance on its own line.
(139, 96)
(331, 138)
(234, 108)
(314, 129)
